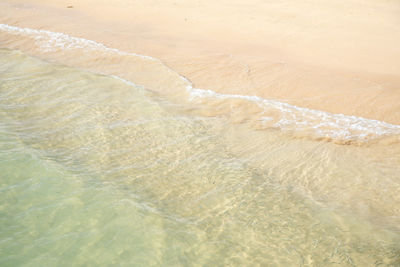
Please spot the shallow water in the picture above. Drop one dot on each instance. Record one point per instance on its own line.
(98, 170)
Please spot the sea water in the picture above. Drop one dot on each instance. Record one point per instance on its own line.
(99, 170)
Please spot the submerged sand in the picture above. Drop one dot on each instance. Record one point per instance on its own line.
(339, 57)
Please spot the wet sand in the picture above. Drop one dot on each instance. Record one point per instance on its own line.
(336, 57)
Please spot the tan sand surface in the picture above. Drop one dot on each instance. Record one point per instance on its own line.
(336, 56)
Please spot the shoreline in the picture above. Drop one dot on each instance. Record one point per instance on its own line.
(231, 65)
(267, 114)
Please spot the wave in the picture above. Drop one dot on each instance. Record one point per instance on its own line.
(273, 114)
(49, 40)
(324, 124)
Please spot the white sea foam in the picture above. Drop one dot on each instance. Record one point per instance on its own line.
(292, 118)
(49, 41)
(323, 124)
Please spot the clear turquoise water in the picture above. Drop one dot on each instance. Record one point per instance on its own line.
(97, 171)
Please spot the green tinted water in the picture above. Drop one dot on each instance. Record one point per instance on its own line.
(97, 171)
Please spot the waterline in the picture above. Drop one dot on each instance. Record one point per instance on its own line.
(272, 114)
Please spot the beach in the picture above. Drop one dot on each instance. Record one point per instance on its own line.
(200, 133)
(340, 58)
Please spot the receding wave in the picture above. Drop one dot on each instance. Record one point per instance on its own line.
(263, 113)
(49, 41)
(322, 124)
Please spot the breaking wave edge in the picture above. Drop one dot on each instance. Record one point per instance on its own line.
(267, 113)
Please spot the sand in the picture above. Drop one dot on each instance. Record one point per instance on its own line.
(340, 57)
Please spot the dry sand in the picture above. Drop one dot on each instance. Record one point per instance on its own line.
(336, 56)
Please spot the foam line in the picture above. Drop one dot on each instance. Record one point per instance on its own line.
(64, 41)
(293, 118)
(324, 124)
